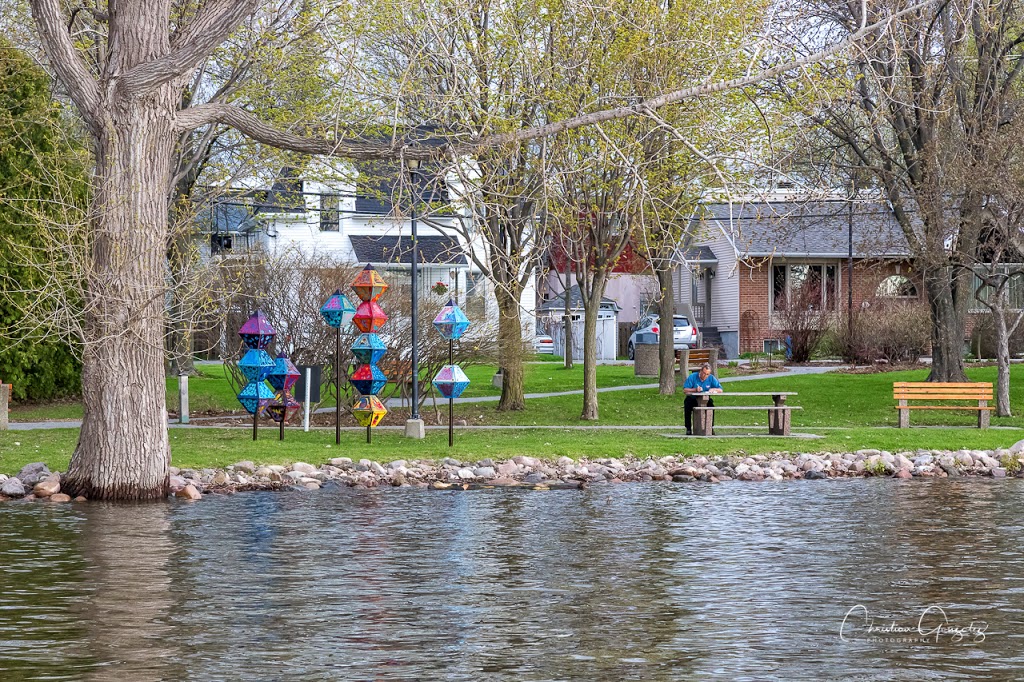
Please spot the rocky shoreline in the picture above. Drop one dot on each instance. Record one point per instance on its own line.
(37, 482)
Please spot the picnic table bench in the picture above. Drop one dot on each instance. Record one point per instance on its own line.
(778, 411)
(905, 391)
(695, 357)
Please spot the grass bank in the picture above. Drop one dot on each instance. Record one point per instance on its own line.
(210, 448)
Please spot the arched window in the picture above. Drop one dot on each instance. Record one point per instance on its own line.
(896, 286)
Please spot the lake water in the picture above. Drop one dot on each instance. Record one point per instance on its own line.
(746, 581)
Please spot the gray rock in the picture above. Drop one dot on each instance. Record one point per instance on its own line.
(451, 462)
(508, 469)
(303, 468)
(486, 462)
(1017, 448)
(244, 466)
(950, 470)
(466, 474)
(397, 464)
(535, 477)
(376, 468)
(484, 472)
(998, 472)
(12, 487)
(294, 475)
(343, 462)
(31, 474)
(814, 475)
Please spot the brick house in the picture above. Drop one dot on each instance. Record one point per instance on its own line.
(746, 258)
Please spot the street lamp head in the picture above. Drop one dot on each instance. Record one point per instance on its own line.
(412, 164)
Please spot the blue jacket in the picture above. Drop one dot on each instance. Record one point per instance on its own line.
(693, 381)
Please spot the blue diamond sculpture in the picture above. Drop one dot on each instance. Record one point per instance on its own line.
(256, 364)
(451, 322)
(369, 349)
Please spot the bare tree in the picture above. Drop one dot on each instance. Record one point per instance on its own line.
(920, 106)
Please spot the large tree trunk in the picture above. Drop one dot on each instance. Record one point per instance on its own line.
(666, 339)
(123, 451)
(948, 328)
(510, 350)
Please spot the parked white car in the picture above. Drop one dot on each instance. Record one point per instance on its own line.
(684, 334)
(542, 343)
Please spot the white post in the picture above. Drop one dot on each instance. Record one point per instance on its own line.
(305, 403)
(183, 398)
(5, 401)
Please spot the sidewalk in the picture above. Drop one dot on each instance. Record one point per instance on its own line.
(195, 422)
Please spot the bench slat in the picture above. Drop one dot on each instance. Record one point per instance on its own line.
(944, 407)
(751, 407)
(944, 396)
(942, 384)
(943, 389)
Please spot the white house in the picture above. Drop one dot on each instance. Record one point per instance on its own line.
(354, 219)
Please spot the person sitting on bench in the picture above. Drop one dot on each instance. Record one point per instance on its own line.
(701, 381)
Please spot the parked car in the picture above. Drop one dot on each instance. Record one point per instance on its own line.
(542, 343)
(683, 333)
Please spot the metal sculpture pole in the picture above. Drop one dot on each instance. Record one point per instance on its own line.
(337, 388)
(450, 381)
(337, 312)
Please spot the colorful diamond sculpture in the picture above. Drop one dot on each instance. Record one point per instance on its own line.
(369, 317)
(368, 410)
(368, 379)
(451, 381)
(284, 374)
(255, 395)
(338, 310)
(451, 322)
(369, 349)
(256, 364)
(284, 406)
(368, 284)
(257, 332)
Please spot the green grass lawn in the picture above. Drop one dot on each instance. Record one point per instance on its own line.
(208, 448)
(212, 392)
(828, 400)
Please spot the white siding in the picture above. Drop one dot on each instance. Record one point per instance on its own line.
(725, 286)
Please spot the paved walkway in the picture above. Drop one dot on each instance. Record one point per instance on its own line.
(197, 422)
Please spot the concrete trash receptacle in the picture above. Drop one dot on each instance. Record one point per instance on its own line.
(645, 355)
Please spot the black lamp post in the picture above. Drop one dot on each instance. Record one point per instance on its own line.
(414, 427)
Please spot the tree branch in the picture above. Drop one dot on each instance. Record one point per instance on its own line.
(81, 85)
(251, 126)
(211, 27)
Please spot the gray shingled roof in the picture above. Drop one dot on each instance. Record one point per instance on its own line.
(817, 228)
(434, 249)
(698, 254)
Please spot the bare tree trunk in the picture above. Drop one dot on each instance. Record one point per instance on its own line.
(1002, 362)
(666, 340)
(123, 451)
(948, 325)
(510, 351)
(591, 311)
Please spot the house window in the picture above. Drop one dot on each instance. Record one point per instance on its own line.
(811, 284)
(220, 243)
(1015, 291)
(896, 286)
(330, 216)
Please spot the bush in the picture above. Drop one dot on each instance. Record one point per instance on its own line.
(893, 331)
(44, 191)
(802, 321)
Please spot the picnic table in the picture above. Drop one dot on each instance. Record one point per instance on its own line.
(778, 411)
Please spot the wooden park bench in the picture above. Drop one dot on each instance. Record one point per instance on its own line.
(397, 370)
(905, 391)
(778, 411)
(690, 360)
